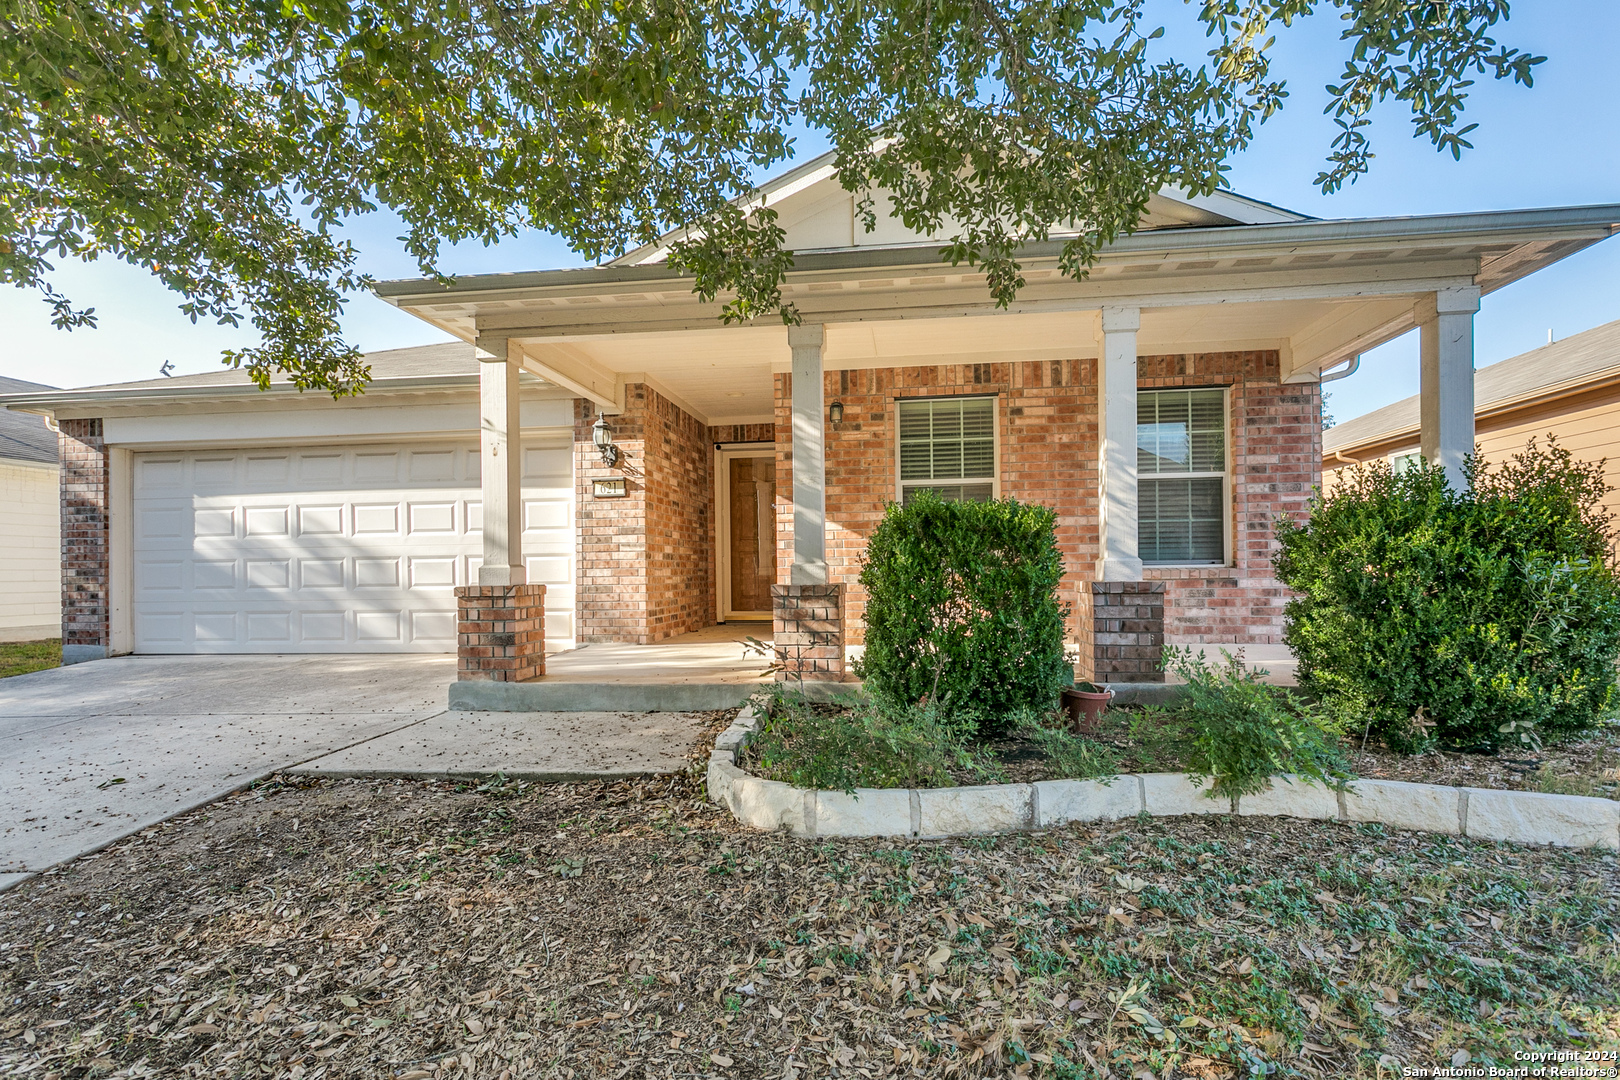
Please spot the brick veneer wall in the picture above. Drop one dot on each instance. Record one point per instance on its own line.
(1047, 426)
(644, 562)
(1048, 446)
(1276, 438)
(85, 565)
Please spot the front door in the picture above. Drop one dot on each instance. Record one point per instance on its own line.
(747, 533)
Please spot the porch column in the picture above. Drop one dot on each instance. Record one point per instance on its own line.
(501, 620)
(1446, 400)
(809, 459)
(1116, 445)
(500, 436)
(807, 613)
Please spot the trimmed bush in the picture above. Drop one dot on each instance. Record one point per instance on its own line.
(962, 608)
(1477, 619)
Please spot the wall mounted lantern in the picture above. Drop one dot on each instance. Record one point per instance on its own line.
(602, 436)
(835, 413)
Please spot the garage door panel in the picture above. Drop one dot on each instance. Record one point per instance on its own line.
(328, 549)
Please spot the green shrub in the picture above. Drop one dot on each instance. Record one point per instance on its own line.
(866, 744)
(1475, 619)
(1240, 732)
(962, 608)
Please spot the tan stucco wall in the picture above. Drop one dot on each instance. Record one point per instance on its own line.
(30, 552)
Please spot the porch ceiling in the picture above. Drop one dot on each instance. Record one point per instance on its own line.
(722, 375)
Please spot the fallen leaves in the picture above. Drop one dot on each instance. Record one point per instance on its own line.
(428, 928)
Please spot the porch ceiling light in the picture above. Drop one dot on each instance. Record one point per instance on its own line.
(602, 436)
(835, 413)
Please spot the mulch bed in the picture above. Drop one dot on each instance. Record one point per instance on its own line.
(345, 928)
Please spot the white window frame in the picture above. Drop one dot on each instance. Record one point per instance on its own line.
(1225, 475)
(995, 442)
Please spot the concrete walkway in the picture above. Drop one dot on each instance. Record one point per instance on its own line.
(554, 747)
(97, 751)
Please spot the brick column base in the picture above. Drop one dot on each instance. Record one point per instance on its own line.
(1127, 631)
(808, 627)
(501, 632)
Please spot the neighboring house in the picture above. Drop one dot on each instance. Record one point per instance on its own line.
(30, 524)
(1167, 407)
(1569, 389)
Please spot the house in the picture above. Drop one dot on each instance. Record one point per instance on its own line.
(602, 458)
(1569, 389)
(30, 523)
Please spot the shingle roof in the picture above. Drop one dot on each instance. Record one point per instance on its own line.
(24, 437)
(445, 358)
(1576, 357)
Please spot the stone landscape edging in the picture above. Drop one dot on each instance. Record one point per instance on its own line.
(1524, 817)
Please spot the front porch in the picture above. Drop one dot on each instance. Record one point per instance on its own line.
(1167, 406)
(712, 668)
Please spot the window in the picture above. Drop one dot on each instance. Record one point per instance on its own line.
(948, 445)
(1401, 463)
(1181, 476)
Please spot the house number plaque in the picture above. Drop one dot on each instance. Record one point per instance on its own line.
(607, 489)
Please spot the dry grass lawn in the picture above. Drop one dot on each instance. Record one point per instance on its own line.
(413, 929)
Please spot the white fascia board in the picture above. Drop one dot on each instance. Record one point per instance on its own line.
(280, 397)
(1234, 207)
(1230, 241)
(322, 426)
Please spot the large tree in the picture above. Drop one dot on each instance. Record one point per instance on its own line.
(222, 143)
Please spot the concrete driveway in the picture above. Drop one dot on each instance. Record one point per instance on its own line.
(96, 751)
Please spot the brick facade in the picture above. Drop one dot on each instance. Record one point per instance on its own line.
(645, 562)
(1276, 455)
(1125, 620)
(808, 631)
(85, 567)
(501, 632)
(1047, 444)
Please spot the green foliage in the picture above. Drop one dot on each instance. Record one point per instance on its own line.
(1480, 618)
(962, 608)
(867, 744)
(1073, 757)
(1241, 732)
(222, 144)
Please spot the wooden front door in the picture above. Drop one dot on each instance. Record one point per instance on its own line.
(749, 544)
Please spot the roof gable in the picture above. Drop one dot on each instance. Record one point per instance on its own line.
(818, 215)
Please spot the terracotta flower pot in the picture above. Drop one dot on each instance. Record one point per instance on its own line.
(1085, 709)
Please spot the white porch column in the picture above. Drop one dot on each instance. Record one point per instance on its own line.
(809, 459)
(1446, 401)
(1116, 445)
(500, 437)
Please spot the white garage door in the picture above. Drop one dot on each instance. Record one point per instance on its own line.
(331, 549)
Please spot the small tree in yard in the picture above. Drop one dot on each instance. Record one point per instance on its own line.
(1478, 619)
(962, 608)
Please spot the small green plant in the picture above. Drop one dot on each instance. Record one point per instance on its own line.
(963, 610)
(1241, 732)
(863, 744)
(1073, 757)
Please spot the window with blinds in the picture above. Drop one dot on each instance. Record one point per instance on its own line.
(948, 445)
(1181, 476)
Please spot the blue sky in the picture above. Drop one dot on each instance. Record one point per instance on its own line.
(1553, 145)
